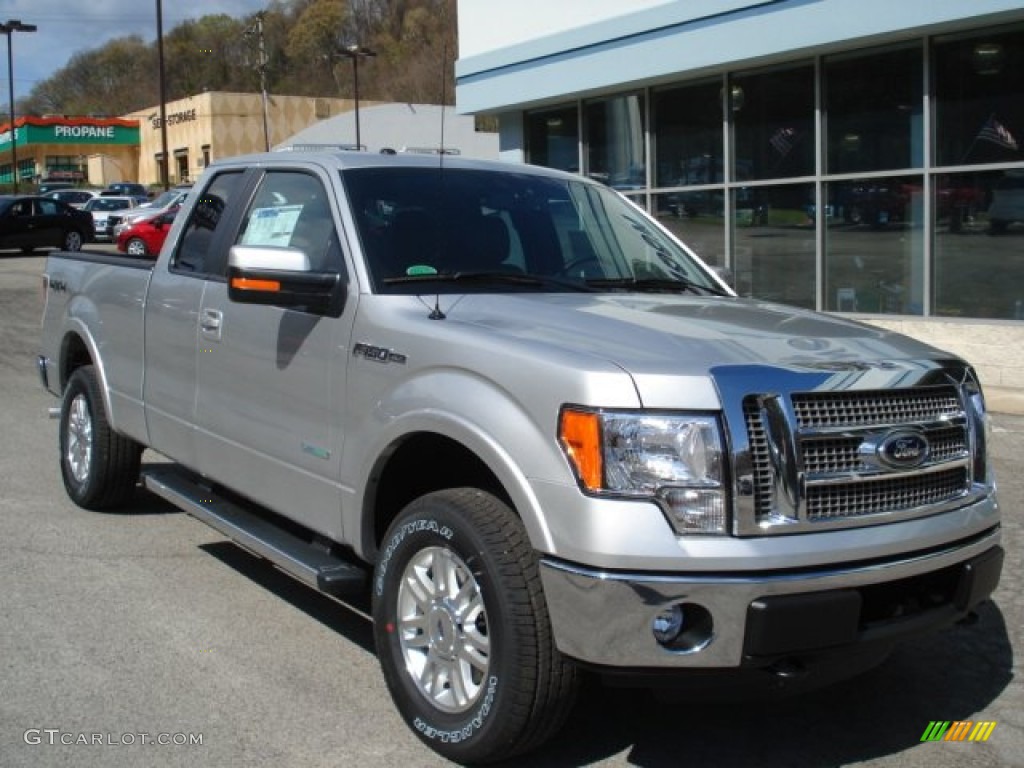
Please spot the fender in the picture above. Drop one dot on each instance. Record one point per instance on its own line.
(486, 420)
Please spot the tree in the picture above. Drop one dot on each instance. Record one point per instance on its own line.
(415, 43)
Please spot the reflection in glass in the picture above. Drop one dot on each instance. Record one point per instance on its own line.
(874, 249)
(979, 88)
(979, 244)
(873, 107)
(552, 138)
(774, 243)
(688, 135)
(696, 218)
(774, 127)
(615, 141)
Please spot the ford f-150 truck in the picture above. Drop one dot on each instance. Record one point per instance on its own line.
(536, 428)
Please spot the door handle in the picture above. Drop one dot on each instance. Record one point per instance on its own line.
(210, 323)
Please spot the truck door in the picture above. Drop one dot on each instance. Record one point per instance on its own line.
(172, 314)
(268, 419)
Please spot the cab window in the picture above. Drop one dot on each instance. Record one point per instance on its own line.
(290, 210)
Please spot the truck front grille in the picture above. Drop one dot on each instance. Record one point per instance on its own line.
(815, 458)
(851, 409)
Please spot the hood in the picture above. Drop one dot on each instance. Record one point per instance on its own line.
(657, 337)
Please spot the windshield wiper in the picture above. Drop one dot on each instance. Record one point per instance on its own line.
(508, 278)
(654, 285)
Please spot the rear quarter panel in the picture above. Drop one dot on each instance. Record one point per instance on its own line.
(96, 302)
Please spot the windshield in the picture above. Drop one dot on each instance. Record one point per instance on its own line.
(107, 204)
(424, 229)
(166, 198)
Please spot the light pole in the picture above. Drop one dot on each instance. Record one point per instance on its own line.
(12, 26)
(357, 52)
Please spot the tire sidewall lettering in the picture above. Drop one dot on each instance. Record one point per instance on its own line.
(413, 526)
(436, 728)
(447, 736)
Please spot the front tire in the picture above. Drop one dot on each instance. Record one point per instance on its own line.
(100, 468)
(72, 240)
(136, 247)
(462, 629)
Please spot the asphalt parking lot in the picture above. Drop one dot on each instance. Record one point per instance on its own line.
(127, 638)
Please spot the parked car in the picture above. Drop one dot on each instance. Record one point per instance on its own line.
(74, 197)
(46, 187)
(129, 188)
(101, 207)
(164, 202)
(31, 222)
(144, 237)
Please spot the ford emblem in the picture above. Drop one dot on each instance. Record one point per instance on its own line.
(903, 449)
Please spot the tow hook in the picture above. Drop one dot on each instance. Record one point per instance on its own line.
(788, 669)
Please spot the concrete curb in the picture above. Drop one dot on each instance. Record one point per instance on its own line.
(1005, 400)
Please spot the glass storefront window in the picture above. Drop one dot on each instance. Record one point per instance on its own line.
(696, 218)
(552, 138)
(774, 243)
(873, 111)
(979, 245)
(773, 119)
(688, 146)
(874, 249)
(979, 89)
(615, 141)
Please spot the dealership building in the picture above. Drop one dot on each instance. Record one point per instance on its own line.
(862, 157)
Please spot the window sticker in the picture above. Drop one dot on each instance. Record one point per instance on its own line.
(271, 226)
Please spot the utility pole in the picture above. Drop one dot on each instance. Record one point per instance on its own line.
(164, 176)
(257, 29)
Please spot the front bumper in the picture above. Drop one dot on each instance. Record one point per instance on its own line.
(759, 618)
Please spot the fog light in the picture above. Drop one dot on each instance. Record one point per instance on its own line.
(683, 628)
(668, 624)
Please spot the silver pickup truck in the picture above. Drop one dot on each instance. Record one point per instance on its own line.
(534, 427)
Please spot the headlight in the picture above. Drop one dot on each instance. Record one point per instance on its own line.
(675, 459)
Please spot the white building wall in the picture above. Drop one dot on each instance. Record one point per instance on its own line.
(533, 60)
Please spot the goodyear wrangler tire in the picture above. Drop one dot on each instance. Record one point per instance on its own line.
(100, 467)
(462, 629)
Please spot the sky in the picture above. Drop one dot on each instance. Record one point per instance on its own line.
(67, 27)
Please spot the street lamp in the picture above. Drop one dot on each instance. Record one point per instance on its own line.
(12, 26)
(357, 52)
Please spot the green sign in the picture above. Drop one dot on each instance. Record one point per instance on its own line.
(74, 133)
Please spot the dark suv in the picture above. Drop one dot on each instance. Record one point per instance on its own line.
(128, 188)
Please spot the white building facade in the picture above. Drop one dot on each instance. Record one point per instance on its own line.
(853, 156)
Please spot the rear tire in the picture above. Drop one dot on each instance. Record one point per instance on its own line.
(100, 468)
(462, 629)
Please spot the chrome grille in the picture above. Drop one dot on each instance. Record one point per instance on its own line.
(829, 502)
(840, 409)
(838, 476)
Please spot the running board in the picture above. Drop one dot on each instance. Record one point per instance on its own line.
(304, 561)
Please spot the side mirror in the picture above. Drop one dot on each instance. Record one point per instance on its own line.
(281, 277)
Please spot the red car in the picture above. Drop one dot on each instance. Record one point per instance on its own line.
(146, 236)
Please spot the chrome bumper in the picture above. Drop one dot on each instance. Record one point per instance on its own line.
(43, 367)
(606, 618)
